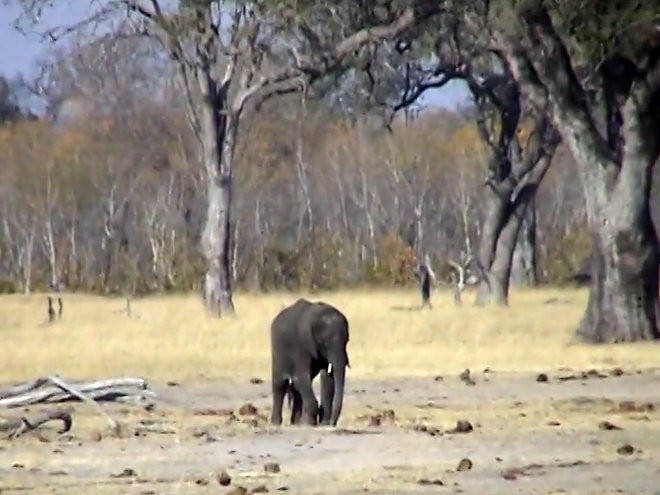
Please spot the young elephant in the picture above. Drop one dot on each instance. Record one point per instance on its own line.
(308, 338)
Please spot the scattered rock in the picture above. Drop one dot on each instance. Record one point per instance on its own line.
(172, 383)
(248, 410)
(272, 467)
(464, 465)
(125, 473)
(542, 378)
(283, 489)
(58, 472)
(18, 465)
(256, 381)
(554, 423)
(426, 481)
(388, 414)
(251, 422)
(438, 378)
(632, 406)
(430, 430)
(512, 474)
(606, 425)
(626, 449)
(462, 426)
(375, 420)
(238, 490)
(259, 489)
(223, 478)
(466, 377)
(201, 481)
(96, 436)
(616, 372)
(209, 411)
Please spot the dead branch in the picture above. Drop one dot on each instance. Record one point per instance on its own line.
(105, 390)
(20, 426)
(57, 381)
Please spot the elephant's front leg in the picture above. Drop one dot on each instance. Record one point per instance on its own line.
(310, 406)
(327, 396)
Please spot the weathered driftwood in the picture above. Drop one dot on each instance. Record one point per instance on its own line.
(57, 381)
(36, 392)
(14, 428)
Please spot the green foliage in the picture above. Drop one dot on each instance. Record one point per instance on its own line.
(598, 29)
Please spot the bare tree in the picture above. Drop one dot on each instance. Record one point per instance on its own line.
(223, 66)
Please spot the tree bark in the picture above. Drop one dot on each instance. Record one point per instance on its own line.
(523, 265)
(615, 164)
(506, 209)
(218, 135)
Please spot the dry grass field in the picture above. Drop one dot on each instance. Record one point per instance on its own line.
(171, 338)
(565, 435)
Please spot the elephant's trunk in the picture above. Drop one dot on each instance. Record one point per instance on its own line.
(339, 374)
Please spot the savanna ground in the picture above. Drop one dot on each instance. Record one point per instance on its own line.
(404, 396)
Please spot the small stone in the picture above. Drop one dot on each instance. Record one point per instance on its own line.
(438, 378)
(606, 425)
(238, 490)
(626, 449)
(96, 436)
(375, 420)
(125, 473)
(223, 478)
(172, 383)
(426, 481)
(554, 423)
(510, 474)
(256, 381)
(464, 465)
(201, 481)
(272, 467)
(542, 378)
(388, 414)
(259, 489)
(248, 410)
(616, 372)
(462, 426)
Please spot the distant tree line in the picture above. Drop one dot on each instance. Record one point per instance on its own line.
(273, 149)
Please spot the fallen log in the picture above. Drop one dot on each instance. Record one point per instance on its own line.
(114, 424)
(36, 392)
(14, 428)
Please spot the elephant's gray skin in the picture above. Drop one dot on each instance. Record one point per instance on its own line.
(308, 338)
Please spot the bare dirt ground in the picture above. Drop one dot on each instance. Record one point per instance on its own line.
(577, 432)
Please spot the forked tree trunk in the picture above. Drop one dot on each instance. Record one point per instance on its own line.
(498, 239)
(499, 235)
(523, 265)
(218, 134)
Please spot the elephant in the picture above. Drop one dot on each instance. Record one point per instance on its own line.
(307, 339)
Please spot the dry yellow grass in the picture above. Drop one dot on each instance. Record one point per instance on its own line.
(173, 339)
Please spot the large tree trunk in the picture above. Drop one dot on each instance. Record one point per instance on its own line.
(623, 297)
(523, 265)
(614, 141)
(506, 210)
(496, 244)
(218, 134)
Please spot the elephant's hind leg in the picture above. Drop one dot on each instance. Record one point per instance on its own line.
(279, 389)
(296, 405)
